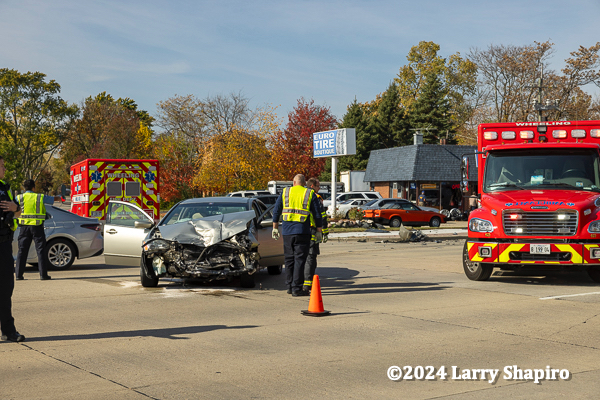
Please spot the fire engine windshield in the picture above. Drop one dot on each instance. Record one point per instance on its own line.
(561, 169)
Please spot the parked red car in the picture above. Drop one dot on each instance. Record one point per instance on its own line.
(406, 213)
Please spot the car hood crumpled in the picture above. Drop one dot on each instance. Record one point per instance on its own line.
(208, 231)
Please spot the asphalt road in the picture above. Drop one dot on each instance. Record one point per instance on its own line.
(94, 333)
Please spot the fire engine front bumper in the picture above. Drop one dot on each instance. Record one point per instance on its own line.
(522, 253)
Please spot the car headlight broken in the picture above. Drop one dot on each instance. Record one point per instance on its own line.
(156, 245)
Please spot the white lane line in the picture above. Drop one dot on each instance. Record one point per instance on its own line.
(568, 295)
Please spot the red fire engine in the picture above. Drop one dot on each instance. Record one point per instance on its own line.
(539, 188)
(96, 181)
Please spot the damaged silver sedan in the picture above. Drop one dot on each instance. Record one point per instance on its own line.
(207, 239)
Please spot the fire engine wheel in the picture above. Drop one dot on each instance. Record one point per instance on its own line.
(435, 222)
(594, 273)
(274, 269)
(247, 280)
(60, 254)
(395, 222)
(475, 271)
(146, 280)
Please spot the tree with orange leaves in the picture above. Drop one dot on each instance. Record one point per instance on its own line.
(293, 147)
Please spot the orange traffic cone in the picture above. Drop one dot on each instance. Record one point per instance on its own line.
(315, 305)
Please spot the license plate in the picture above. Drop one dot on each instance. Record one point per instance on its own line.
(539, 249)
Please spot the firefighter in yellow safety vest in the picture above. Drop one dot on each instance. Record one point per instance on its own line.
(314, 250)
(31, 228)
(298, 206)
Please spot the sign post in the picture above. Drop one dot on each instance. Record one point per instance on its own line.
(338, 142)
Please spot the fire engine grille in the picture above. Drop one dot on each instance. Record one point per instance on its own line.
(540, 223)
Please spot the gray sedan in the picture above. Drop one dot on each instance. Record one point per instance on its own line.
(68, 236)
(205, 238)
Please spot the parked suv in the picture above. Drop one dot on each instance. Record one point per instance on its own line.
(248, 193)
(353, 195)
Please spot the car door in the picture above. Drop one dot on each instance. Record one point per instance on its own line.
(124, 231)
(270, 250)
(411, 214)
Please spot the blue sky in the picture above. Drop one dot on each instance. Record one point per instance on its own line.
(273, 52)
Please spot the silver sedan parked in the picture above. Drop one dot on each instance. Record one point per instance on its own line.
(68, 236)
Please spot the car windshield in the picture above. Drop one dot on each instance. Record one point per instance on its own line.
(370, 203)
(186, 212)
(570, 169)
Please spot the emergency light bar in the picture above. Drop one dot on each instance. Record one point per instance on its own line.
(559, 134)
(526, 134)
(578, 133)
(490, 135)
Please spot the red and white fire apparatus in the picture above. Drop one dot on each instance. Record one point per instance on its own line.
(539, 194)
(96, 181)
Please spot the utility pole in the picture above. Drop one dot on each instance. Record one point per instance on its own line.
(537, 104)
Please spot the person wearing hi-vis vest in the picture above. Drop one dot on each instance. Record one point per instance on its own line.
(297, 205)
(31, 224)
(314, 250)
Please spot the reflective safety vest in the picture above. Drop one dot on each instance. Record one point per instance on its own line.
(323, 215)
(33, 209)
(296, 203)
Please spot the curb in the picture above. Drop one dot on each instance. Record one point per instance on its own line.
(394, 238)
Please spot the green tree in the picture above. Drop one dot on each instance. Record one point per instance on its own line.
(34, 121)
(457, 75)
(108, 128)
(387, 126)
(430, 112)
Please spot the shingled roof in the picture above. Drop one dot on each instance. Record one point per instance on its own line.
(420, 162)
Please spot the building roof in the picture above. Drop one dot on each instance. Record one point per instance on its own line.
(420, 162)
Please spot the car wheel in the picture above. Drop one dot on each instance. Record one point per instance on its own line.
(247, 280)
(594, 273)
(146, 280)
(435, 222)
(60, 254)
(475, 271)
(395, 222)
(275, 269)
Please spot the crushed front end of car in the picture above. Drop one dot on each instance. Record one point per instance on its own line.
(217, 247)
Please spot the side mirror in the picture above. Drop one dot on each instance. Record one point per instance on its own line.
(143, 225)
(464, 175)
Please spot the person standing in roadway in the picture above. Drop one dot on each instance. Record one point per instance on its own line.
(314, 250)
(297, 205)
(31, 225)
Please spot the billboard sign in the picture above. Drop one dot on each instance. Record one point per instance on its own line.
(339, 142)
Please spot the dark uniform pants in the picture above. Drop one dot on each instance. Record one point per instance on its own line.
(295, 250)
(7, 285)
(311, 263)
(26, 235)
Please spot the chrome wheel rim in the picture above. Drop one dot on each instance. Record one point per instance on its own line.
(60, 255)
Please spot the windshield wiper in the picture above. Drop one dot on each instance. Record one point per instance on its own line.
(504, 184)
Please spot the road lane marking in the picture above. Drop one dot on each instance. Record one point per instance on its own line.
(568, 295)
